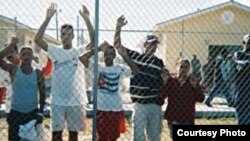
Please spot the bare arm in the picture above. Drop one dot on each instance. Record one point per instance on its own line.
(41, 88)
(86, 56)
(3, 53)
(121, 21)
(134, 68)
(40, 33)
(85, 15)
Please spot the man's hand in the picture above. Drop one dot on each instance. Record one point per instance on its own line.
(103, 46)
(51, 11)
(84, 12)
(165, 75)
(11, 45)
(193, 81)
(13, 40)
(35, 58)
(121, 21)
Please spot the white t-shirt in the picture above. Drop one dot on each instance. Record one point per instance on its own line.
(68, 78)
(110, 79)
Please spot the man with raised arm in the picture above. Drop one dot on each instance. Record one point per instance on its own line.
(27, 81)
(68, 79)
(109, 97)
(145, 88)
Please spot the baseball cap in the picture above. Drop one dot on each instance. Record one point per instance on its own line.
(246, 37)
(152, 39)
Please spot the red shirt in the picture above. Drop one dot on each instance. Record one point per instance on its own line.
(181, 100)
(48, 68)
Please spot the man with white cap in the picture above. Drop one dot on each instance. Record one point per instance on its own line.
(145, 88)
(242, 59)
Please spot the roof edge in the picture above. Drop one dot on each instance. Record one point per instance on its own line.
(13, 21)
(23, 26)
(209, 9)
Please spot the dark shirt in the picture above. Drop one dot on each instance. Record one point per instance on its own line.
(243, 80)
(145, 86)
(208, 72)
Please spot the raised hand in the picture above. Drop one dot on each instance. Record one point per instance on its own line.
(121, 21)
(36, 59)
(193, 80)
(51, 11)
(84, 12)
(13, 40)
(165, 75)
(103, 46)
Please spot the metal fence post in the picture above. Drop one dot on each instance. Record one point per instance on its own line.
(95, 70)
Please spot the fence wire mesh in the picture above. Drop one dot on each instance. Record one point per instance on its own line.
(160, 63)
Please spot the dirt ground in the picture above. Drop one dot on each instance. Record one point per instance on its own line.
(87, 134)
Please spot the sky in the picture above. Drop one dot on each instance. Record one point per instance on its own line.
(142, 15)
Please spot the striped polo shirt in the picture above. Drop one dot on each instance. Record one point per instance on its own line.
(144, 87)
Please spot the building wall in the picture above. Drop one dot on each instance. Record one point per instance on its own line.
(4, 37)
(193, 35)
(25, 37)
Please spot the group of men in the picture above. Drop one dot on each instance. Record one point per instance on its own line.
(68, 84)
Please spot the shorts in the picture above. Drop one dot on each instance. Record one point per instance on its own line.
(72, 116)
(108, 124)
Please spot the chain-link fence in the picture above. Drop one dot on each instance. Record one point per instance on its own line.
(159, 63)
